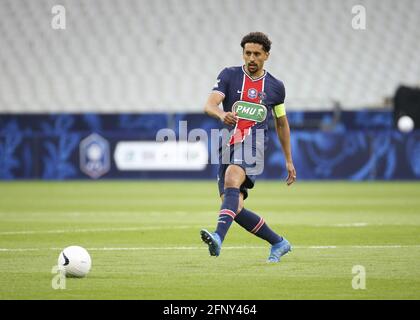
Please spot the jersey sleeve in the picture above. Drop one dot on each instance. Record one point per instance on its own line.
(280, 94)
(222, 83)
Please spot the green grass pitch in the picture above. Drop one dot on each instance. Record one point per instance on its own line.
(144, 241)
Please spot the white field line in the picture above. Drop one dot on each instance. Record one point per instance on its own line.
(128, 229)
(350, 225)
(152, 228)
(224, 248)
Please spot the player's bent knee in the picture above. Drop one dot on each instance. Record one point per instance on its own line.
(234, 177)
(232, 183)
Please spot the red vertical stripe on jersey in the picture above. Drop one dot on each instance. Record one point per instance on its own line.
(250, 93)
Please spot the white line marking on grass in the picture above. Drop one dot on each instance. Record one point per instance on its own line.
(22, 249)
(224, 248)
(346, 225)
(129, 229)
(151, 228)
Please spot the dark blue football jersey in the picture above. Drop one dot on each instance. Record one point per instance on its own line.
(236, 85)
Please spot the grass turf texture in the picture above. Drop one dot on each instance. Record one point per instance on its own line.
(144, 240)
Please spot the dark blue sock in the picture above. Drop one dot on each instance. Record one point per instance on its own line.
(256, 225)
(227, 211)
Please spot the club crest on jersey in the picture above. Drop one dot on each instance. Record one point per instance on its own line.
(262, 95)
(252, 93)
(250, 111)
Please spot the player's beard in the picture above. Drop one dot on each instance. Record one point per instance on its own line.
(253, 68)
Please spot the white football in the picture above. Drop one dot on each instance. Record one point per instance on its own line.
(405, 124)
(74, 261)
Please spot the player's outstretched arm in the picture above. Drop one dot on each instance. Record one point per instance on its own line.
(283, 133)
(212, 109)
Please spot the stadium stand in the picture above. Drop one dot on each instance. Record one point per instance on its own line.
(164, 55)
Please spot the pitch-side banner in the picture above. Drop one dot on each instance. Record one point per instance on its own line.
(164, 156)
(363, 146)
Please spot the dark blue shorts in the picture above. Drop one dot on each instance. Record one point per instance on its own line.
(235, 154)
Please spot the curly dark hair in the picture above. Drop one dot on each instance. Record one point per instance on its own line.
(257, 37)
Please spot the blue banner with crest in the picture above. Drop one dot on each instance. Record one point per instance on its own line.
(360, 146)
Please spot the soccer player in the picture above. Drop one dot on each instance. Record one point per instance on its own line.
(247, 93)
